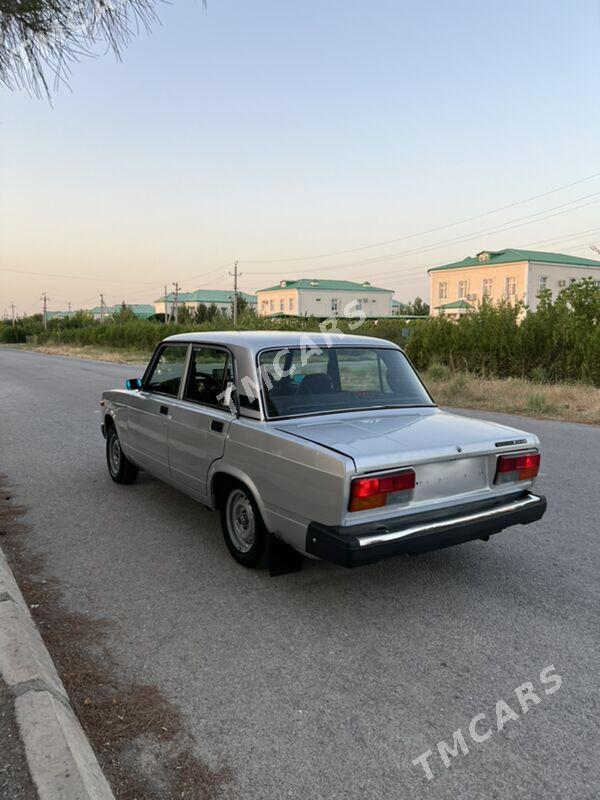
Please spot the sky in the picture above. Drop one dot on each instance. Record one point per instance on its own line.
(286, 135)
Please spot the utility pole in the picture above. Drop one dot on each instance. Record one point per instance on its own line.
(167, 315)
(45, 309)
(101, 308)
(175, 308)
(12, 308)
(235, 292)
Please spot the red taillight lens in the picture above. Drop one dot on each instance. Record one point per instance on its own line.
(517, 468)
(373, 492)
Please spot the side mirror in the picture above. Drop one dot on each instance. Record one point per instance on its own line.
(133, 383)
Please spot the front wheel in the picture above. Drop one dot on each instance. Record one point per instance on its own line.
(120, 468)
(243, 528)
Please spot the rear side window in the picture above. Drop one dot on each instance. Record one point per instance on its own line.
(210, 373)
(166, 375)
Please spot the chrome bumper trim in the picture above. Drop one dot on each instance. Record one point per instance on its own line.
(432, 527)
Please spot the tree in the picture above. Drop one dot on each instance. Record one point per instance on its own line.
(211, 312)
(124, 314)
(41, 39)
(200, 315)
(418, 308)
(184, 315)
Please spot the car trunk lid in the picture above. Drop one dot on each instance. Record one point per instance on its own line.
(392, 437)
(453, 456)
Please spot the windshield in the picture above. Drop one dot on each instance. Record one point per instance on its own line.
(299, 381)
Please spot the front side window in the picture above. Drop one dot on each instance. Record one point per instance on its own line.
(296, 382)
(463, 289)
(543, 282)
(486, 287)
(209, 375)
(290, 304)
(334, 304)
(443, 291)
(167, 371)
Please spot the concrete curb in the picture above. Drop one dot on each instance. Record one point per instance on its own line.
(61, 761)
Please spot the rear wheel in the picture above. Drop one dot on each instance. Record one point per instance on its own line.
(243, 528)
(120, 468)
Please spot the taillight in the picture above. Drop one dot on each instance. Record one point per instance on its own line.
(517, 468)
(374, 492)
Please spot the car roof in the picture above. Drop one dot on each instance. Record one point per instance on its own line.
(259, 340)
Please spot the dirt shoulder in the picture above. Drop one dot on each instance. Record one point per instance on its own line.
(114, 356)
(564, 402)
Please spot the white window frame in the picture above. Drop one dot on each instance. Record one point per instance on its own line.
(487, 283)
(462, 289)
(443, 290)
(510, 282)
(542, 282)
(334, 304)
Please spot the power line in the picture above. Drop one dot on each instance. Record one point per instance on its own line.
(510, 225)
(425, 232)
(210, 271)
(518, 247)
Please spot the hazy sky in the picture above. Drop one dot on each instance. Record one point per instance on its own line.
(274, 130)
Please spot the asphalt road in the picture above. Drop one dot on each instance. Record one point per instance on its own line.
(326, 683)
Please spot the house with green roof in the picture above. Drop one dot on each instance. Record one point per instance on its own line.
(221, 298)
(457, 288)
(315, 297)
(141, 310)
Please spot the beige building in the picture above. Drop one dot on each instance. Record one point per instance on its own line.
(456, 289)
(312, 297)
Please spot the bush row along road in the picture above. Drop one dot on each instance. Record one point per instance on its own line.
(326, 683)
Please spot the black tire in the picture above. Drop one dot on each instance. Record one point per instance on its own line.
(244, 530)
(120, 468)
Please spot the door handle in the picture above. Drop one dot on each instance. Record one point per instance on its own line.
(164, 410)
(216, 425)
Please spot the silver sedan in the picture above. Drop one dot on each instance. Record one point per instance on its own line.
(321, 445)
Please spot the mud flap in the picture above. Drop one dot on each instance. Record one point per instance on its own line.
(283, 559)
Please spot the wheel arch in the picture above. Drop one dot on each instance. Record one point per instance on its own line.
(221, 477)
(109, 422)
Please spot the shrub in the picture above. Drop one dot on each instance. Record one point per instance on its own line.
(538, 404)
(439, 372)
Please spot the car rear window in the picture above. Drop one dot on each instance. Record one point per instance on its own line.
(304, 381)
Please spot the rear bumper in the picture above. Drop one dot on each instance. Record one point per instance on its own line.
(418, 533)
